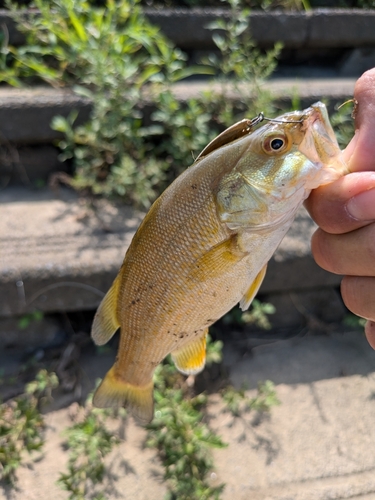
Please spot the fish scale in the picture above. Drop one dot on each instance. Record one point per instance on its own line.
(204, 246)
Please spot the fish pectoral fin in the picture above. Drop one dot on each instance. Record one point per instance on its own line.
(253, 289)
(115, 392)
(191, 358)
(218, 260)
(105, 321)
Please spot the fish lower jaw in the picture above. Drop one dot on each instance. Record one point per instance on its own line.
(328, 173)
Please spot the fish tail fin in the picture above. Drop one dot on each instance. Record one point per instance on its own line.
(105, 321)
(115, 392)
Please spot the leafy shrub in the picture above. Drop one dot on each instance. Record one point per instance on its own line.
(113, 56)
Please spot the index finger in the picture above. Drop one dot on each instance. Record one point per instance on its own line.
(344, 205)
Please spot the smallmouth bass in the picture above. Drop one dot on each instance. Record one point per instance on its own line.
(204, 246)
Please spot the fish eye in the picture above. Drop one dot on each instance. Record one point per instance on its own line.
(275, 144)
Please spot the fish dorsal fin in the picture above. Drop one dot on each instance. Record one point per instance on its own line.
(217, 260)
(235, 131)
(191, 358)
(115, 392)
(105, 321)
(253, 289)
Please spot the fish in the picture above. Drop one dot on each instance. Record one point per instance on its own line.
(204, 246)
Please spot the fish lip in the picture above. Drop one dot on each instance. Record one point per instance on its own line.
(320, 145)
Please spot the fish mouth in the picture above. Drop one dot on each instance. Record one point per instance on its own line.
(320, 145)
(317, 120)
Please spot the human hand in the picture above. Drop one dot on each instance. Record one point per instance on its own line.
(345, 212)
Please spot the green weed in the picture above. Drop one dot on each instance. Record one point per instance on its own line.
(88, 441)
(254, 4)
(236, 400)
(258, 314)
(343, 124)
(29, 318)
(213, 351)
(183, 440)
(353, 321)
(22, 425)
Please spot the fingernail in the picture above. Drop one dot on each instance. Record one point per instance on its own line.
(362, 206)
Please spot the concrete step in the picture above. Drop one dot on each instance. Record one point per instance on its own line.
(59, 253)
(26, 114)
(318, 42)
(316, 28)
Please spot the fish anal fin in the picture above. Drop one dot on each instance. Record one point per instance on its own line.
(113, 392)
(253, 289)
(218, 259)
(191, 358)
(105, 321)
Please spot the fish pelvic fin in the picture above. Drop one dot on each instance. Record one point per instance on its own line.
(115, 392)
(191, 358)
(253, 289)
(105, 321)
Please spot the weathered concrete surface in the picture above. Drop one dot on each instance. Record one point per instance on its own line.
(314, 28)
(29, 166)
(308, 90)
(55, 253)
(58, 253)
(319, 444)
(187, 28)
(26, 114)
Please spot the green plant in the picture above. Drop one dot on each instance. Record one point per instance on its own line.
(258, 314)
(236, 400)
(22, 425)
(213, 351)
(242, 66)
(353, 321)
(29, 318)
(88, 441)
(343, 123)
(240, 69)
(113, 56)
(183, 440)
(254, 4)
